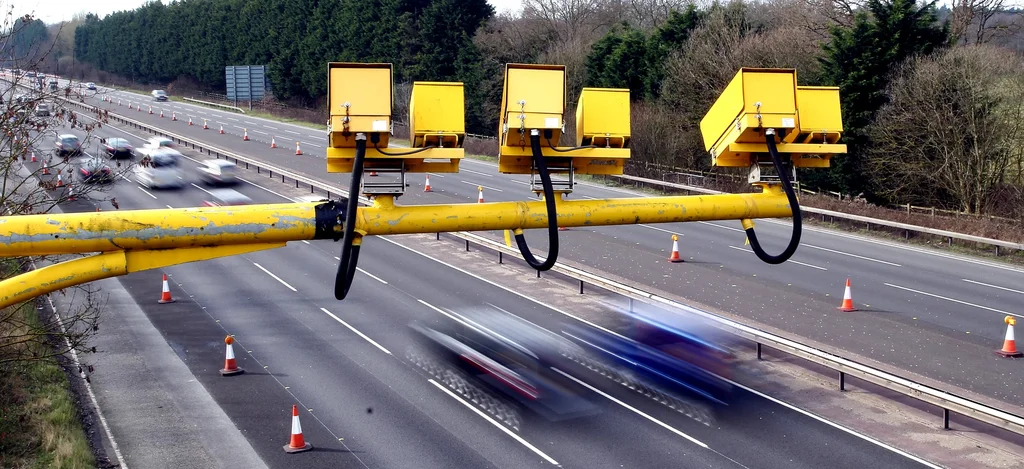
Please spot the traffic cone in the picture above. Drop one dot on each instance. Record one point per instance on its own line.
(245, 134)
(118, 101)
(34, 160)
(205, 127)
(165, 295)
(174, 116)
(1009, 344)
(161, 113)
(480, 198)
(675, 250)
(60, 180)
(138, 108)
(273, 143)
(230, 367)
(222, 128)
(298, 443)
(847, 305)
(426, 188)
(71, 192)
(298, 151)
(46, 169)
(189, 120)
(151, 109)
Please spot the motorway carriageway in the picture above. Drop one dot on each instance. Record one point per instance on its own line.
(344, 363)
(921, 310)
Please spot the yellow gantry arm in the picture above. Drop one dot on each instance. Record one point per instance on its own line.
(258, 224)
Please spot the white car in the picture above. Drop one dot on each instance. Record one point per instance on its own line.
(162, 170)
(217, 172)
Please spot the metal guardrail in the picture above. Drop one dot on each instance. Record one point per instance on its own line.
(949, 402)
(208, 103)
(872, 221)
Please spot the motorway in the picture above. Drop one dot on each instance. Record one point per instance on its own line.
(921, 310)
(365, 405)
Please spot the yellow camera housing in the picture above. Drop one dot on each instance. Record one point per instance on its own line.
(759, 98)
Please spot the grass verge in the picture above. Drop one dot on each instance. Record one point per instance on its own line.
(39, 420)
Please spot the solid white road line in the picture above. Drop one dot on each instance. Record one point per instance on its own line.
(147, 192)
(476, 172)
(309, 144)
(360, 334)
(372, 276)
(291, 131)
(835, 425)
(851, 255)
(481, 185)
(716, 225)
(496, 424)
(954, 300)
(633, 409)
(791, 260)
(275, 277)
(661, 229)
(993, 286)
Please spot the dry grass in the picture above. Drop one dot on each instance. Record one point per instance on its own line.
(39, 424)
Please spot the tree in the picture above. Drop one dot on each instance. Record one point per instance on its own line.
(859, 60)
(953, 130)
(27, 333)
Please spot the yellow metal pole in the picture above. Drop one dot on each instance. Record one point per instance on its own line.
(254, 224)
(110, 264)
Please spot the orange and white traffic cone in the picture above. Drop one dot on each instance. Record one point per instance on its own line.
(71, 193)
(675, 250)
(165, 294)
(273, 143)
(426, 187)
(222, 128)
(151, 109)
(46, 169)
(129, 105)
(60, 180)
(190, 120)
(138, 108)
(298, 443)
(245, 134)
(174, 116)
(230, 367)
(34, 160)
(847, 305)
(480, 198)
(161, 113)
(118, 101)
(298, 151)
(1009, 343)
(205, 127)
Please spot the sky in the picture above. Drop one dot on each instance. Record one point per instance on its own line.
(55, 11)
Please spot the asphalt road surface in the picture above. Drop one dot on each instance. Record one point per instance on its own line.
(365, 405)
(921, 310)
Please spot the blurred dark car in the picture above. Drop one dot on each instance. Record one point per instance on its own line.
(514, 360)
(95, 171)
(118, 148)
(42, 110)
(671, 353)
(67, 145)
(159, 95)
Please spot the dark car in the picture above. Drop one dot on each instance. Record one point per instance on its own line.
(42, 110)
(67, 145)
(95, 171)
(118, 148)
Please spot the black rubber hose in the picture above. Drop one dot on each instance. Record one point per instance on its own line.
(549, 199)
(794, 242)
(350, 253)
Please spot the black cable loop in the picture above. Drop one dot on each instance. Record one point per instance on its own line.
(793, 203)
(350, 253)
(549, 199)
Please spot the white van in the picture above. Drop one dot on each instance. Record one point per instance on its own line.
(162, 171)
